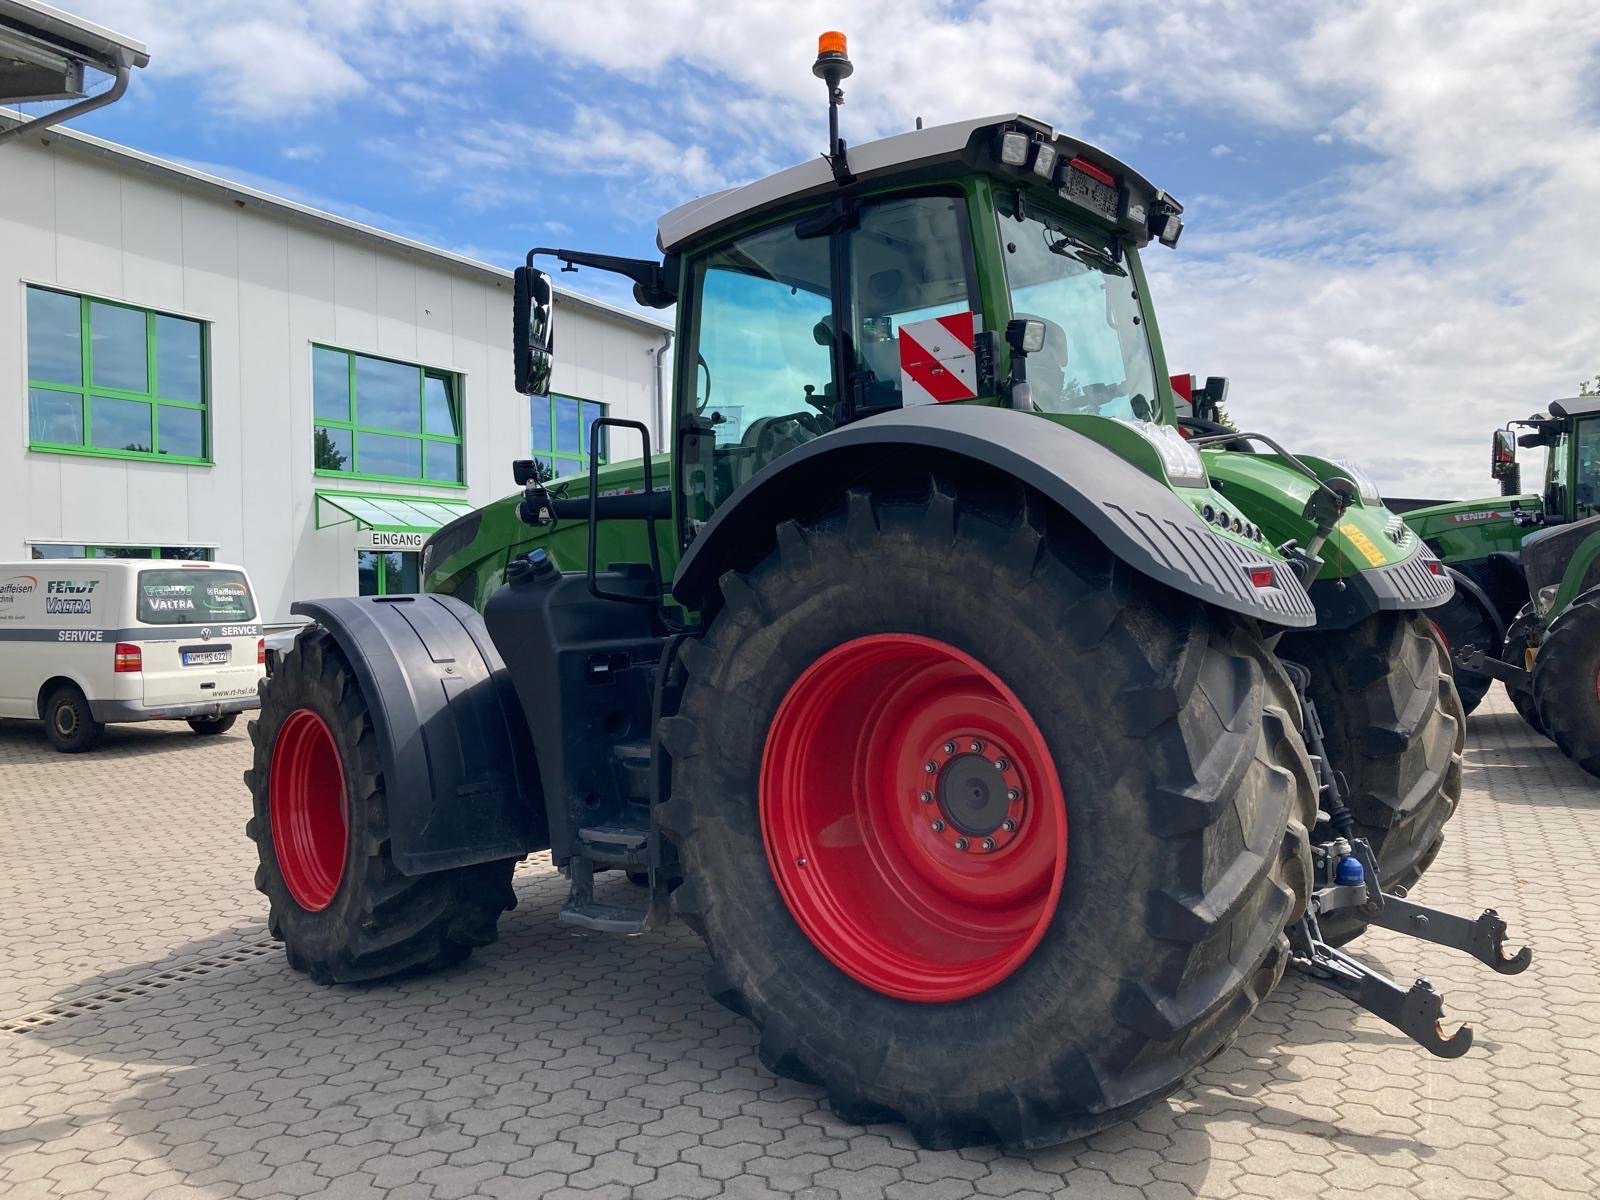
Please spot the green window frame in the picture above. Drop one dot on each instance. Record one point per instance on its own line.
(57, 550)
(99, 409)
(347, 446)
(389, 573)
(558, 433)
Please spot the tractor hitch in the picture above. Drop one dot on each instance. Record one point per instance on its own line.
(1418, 1010)
(1415, 1011)
(1483, 938)
(1474, 661)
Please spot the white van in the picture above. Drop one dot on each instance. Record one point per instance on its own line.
(87, 641)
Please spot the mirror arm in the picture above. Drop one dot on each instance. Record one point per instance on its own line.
(655, 284)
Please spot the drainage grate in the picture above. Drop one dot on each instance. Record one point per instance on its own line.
(137, 989)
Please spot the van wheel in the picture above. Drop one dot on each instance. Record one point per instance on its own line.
(210, 726)
(68, 723)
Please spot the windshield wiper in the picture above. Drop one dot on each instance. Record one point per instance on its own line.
(1087, 253)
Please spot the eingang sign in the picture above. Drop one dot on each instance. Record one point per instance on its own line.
(383, 539)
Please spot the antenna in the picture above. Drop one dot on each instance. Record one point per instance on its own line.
(833, 66)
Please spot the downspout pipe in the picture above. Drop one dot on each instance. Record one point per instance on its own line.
(76, 109)
(661, 418)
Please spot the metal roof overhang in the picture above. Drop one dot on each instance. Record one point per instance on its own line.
(387, 514)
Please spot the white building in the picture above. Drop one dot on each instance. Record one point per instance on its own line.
(192, 366)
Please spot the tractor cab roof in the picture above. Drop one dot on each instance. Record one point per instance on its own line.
(1575, 406)
(1050, 162)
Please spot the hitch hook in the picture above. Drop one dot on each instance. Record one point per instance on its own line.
(1484, 938)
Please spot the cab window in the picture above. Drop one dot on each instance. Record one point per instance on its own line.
(1586, 473)
(763, 370)
(908, 263)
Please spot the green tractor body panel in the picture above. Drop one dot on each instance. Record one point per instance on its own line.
(1272, 494)
(467, 558)
(1468, 531)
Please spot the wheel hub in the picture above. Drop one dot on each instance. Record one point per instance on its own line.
(978, 792)
(308, 809)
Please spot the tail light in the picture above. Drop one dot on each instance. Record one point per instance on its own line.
(127, 659)
(261, 652)
(1261, 577)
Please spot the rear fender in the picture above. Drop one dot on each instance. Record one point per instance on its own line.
(458, 766)
(1138, 519)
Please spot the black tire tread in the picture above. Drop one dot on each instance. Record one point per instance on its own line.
(1565, 670)
(1394, 727)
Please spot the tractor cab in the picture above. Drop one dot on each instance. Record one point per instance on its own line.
(1570, 434)
(992, 262)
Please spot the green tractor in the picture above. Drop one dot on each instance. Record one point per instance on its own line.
(1004, 746)
(1482, 542)
(1550, 661)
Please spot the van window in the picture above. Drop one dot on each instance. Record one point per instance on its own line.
(188, 596)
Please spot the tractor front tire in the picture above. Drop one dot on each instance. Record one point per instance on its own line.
(1460, 622)
(984, 831)
(342, 909)
(1394, 728)
(1566, 682)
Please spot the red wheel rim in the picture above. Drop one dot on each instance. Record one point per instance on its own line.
(307, 804)
(913, 817)
(1445, 641)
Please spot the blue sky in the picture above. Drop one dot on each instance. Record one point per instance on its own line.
(1388, 201)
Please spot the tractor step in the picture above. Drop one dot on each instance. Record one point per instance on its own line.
(584, 911)
(631, 763)
(616, 845)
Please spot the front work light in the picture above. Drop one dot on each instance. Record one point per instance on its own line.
(1014, 149)
(1044, 160)
(1180, 460)
(1364, 485)
(1025, 336)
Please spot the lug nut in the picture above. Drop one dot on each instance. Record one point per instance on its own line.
(988, 843)
(1013, 795)
(949, 747)
(977, 746)
(926, 797)
(930, 767)
(799, 862)
(961, 843)
(1001, 764)
(1008, 825)
(938, 826)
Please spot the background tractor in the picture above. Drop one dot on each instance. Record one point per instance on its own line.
(930, 674)
(1482, 541)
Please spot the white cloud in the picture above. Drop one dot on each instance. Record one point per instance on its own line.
(1395, 310)
(1221, 150)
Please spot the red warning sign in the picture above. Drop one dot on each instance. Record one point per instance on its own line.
(937, 362)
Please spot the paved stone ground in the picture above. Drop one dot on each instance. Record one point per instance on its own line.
(556, 1064)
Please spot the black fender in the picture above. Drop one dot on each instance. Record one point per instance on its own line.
(1138, 519)
(1481, 599)
(457, 761)
(1417, 582)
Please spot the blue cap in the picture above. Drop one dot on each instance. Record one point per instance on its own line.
(537, 555)
(1349, 872)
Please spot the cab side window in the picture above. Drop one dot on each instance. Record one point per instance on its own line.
(763, 371)
(908, 263)
(1586, 472)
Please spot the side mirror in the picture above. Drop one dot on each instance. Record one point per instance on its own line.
(1503, 456)
(532, 331)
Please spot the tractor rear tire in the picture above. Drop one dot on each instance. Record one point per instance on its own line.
(1024, 980)
(1394, 728)
(1566, 682)
(343, 910)
(1462, 623)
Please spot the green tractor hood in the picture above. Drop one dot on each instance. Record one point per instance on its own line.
(1468, 530)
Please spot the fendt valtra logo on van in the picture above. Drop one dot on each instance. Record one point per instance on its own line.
(69, 596)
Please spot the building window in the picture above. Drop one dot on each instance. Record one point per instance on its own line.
(558, 433)
(381, 419)
(387, 573)
(191, 553)
(114, 380)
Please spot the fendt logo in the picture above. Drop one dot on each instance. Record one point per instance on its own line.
(77, 587)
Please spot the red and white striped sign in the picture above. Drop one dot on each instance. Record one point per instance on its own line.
(937, 362)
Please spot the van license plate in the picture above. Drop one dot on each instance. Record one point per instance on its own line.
(205, 658)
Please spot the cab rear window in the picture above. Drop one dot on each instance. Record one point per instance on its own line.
(194, 596)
